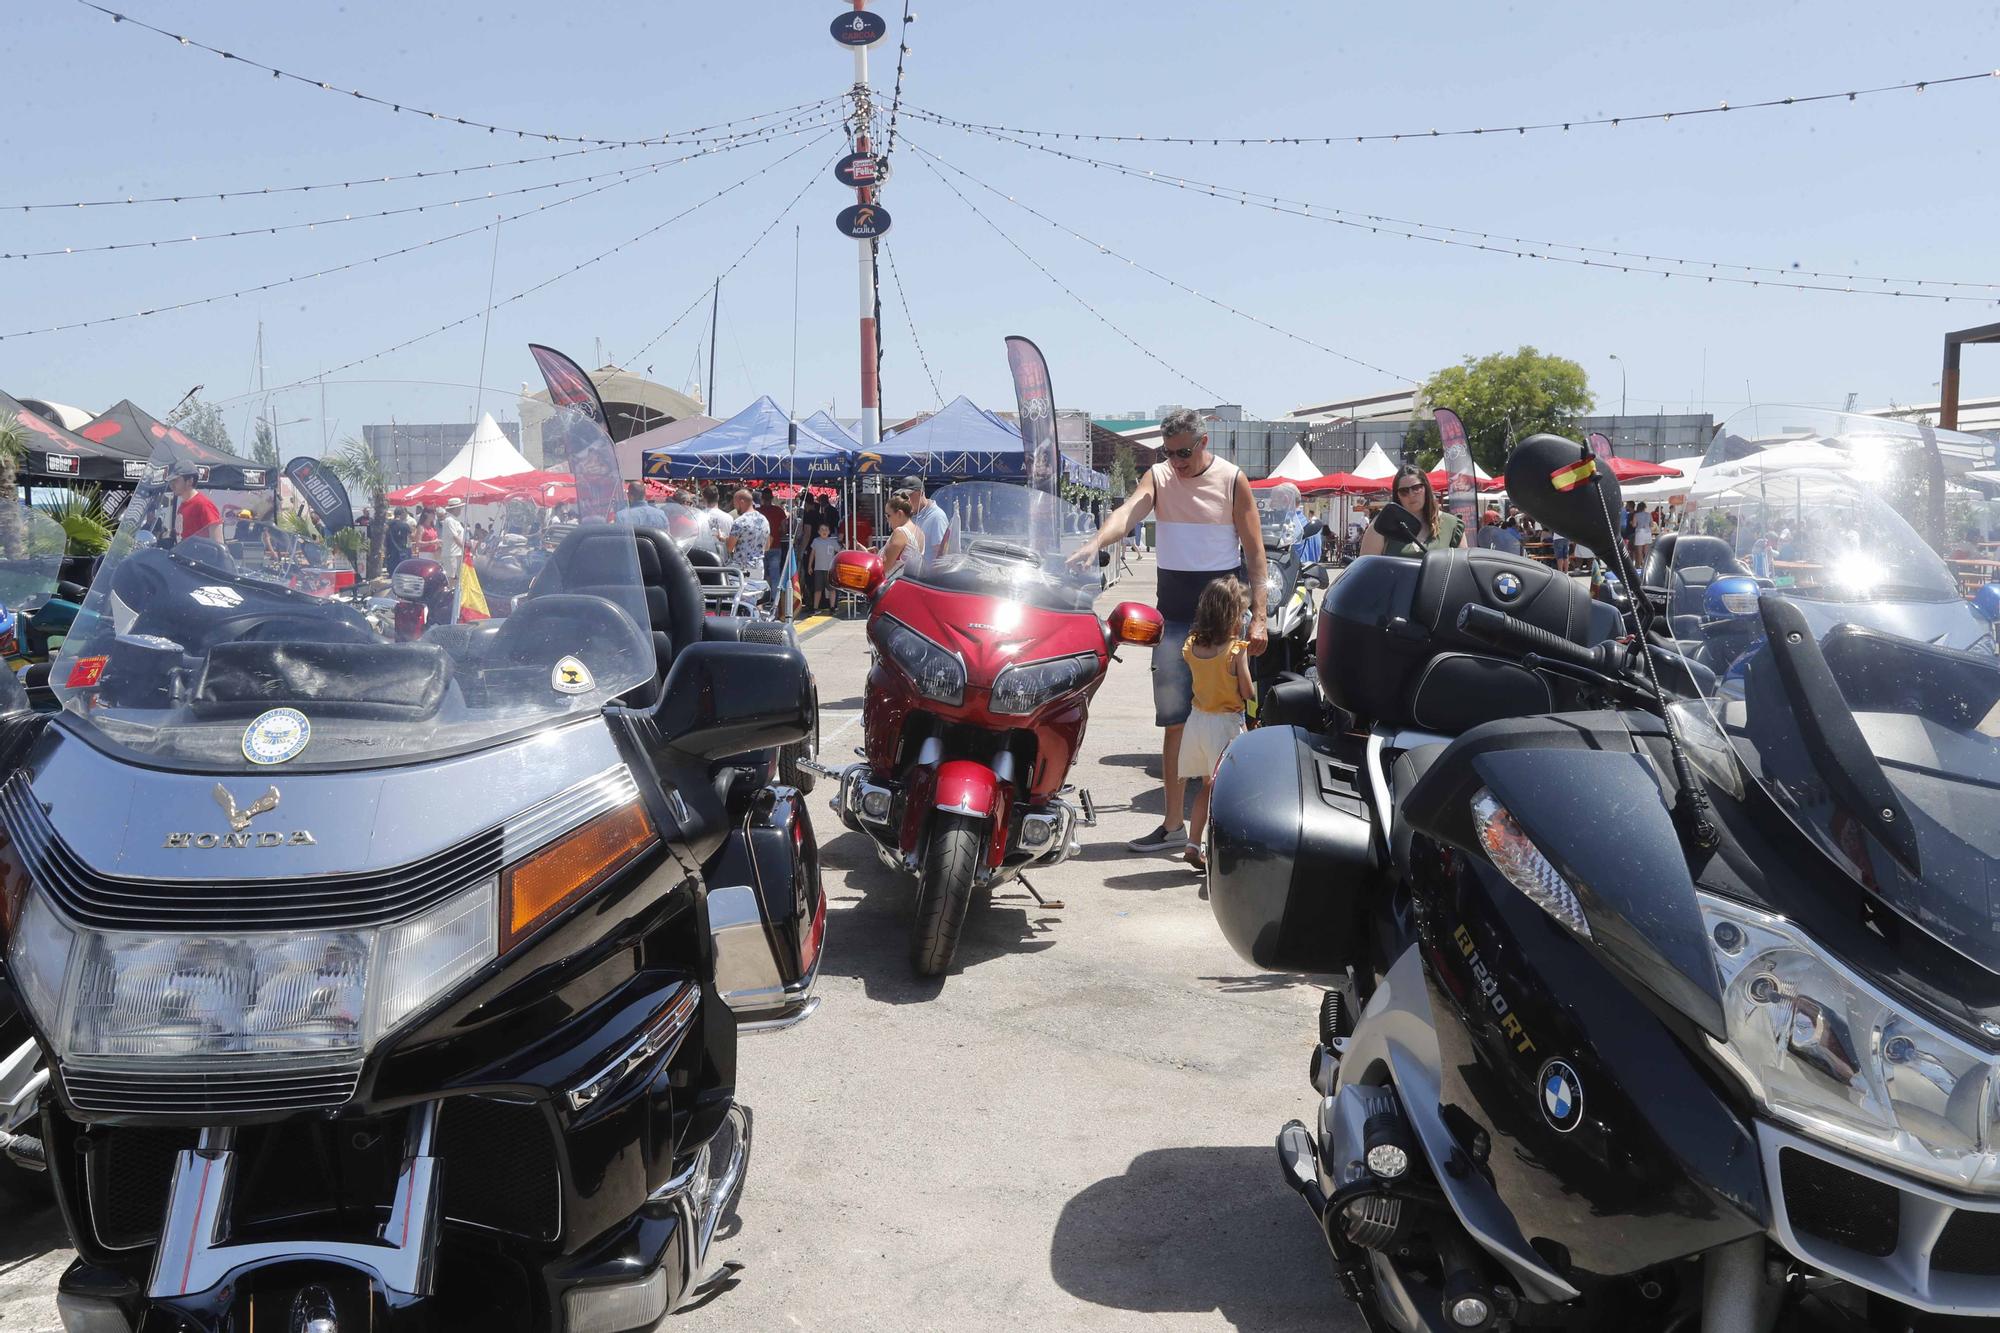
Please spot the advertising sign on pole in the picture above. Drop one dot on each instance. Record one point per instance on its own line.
(323, 491)
(862, 221)
(859, 27)
(1461, 480)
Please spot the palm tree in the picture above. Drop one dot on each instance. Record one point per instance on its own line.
(13, 453)
(357, 465)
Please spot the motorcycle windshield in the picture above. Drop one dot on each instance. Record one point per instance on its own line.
(691, 529)
(32, 547)
(223, 633)
(1012, 543)
(1888, 754)
(1281, 515)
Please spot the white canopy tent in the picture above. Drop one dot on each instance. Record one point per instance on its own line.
(487, 454)
(1664, 488)
(1297, 466)
(1375, 464)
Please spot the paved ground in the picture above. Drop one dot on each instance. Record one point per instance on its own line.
(1072, 1131)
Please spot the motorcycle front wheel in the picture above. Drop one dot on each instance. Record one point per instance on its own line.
(944, 891)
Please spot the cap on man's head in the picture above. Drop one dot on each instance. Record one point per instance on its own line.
(911, 485)
(454, 503)
(184, 467)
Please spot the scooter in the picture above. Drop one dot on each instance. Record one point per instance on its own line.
(396, 984)
(1655, 1010)
(985, 661)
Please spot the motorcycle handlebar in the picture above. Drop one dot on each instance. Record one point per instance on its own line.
(1505, 632)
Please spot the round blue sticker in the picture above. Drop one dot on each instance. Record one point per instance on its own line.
(276, 736)
(1562, 1096)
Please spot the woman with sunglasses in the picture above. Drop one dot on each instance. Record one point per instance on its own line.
(1412, 491)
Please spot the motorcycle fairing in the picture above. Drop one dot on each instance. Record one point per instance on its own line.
(1600, 820)
(1664, 1164)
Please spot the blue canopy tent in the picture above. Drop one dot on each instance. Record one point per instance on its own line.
(827, 428)
(961, 442)
(756, 442)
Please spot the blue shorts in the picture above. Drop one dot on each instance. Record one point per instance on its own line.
(1173, 682)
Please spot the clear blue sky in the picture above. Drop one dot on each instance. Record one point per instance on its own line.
(1903, 185)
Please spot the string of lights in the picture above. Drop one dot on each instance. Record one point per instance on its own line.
(554, 278)
(1041, 268)
(1707, 270)
(780, 129)
(908, 319)
(737, 263)
(896, 98)
(443, 117)
(1257, 197)
(1102, 248)
(1402, 136)
(355, 264)
(315, 224)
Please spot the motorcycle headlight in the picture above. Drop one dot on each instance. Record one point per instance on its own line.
(1515, 856)
(315, 996)
(1842, 1062)
(938, 674)
(1026, 686)
(1274, 591)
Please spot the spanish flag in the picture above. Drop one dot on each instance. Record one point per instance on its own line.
(471, 597)
(1572, 475)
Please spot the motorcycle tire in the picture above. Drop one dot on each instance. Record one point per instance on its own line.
(944, 891)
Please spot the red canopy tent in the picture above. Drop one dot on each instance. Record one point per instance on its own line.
(1633, 469)
(458, 488)
(1344, 483)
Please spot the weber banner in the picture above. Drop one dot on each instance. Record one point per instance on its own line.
(1461, 481)
(1035, 405)
(579, 428)
(323, 491)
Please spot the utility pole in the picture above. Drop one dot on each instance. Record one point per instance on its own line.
(871, 406)
(714, 312)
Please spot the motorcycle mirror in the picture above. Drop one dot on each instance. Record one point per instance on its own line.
(1561, 484)
(1399, 525)
(1986, 603)
(858, 571)
(1136, 623)
(1313, 529)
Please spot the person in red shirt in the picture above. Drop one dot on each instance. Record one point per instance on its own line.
(195, 515)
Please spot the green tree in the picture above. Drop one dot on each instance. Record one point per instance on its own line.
(265, 447)
(13, 452)
(1124, 472)
(357, 465)
(1508, 396)
(202, 420)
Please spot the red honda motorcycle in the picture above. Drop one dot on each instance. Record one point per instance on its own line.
(986, 658)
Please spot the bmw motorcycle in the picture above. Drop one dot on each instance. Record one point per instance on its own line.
(1660, 1005)
(396, 984)
(985, 661)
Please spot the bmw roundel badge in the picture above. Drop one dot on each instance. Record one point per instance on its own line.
(1508, 586)
(1562, 1096)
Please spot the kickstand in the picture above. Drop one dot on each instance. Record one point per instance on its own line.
(1047, 904)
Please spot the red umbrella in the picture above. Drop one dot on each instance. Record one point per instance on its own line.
(1344, 483)
(1633, 469)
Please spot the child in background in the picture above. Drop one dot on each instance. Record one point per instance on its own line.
(824, 548)
(1221, 670)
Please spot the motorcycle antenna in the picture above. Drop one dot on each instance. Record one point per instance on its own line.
(1691, 807)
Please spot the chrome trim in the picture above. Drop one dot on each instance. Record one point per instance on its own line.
(663, 1033)
(21, 1082)
(542, 824)
(800, 1004)
(193, 1254)
(699, 1196)
(1925, 1211)
(1378, 785)
(184, 1090)
(746, 971)
(962, 810)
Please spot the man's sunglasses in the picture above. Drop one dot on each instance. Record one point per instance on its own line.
(1181, 453)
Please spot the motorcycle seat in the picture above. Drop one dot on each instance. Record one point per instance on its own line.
(593, 560)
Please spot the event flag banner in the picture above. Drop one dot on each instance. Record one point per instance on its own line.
(1600, 446)
(1035, 404)
(586, 441)
(323, 491)
(1462, 482)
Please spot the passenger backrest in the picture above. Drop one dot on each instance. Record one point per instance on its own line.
(593, 560)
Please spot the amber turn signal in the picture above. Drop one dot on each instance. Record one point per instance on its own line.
(857, 571)
(543, 884)
(1136, 623)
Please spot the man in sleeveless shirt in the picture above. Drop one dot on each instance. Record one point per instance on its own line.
(1205, 528)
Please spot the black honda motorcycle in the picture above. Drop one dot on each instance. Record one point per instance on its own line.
(390, 984)
(1665, 1000)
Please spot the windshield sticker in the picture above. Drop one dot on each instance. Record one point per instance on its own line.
(571, 677)
(85, 672)
(276, 736)
(217, 596)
